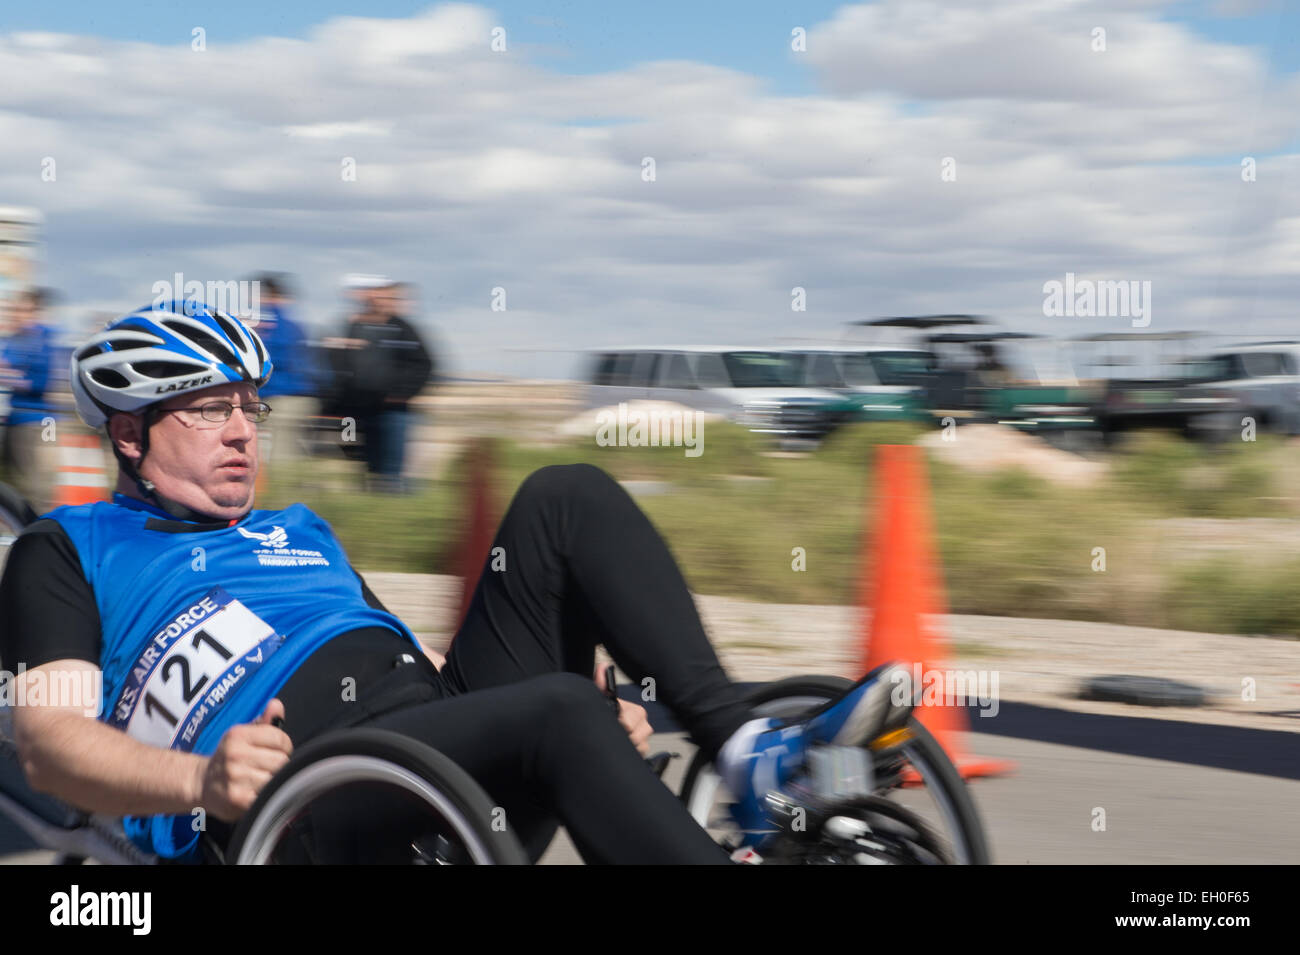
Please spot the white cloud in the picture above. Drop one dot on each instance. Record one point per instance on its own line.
(1025, 49)
(477, 169)
(358, 129)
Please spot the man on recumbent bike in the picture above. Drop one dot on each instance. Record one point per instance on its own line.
(177, 588)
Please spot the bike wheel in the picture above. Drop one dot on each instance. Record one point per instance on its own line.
(368, 796)
(15, 514)
(941, 805)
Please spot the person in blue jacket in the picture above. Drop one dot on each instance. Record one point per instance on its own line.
(26, 359)
(295, 390)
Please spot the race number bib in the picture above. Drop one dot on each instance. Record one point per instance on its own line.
(190, 669)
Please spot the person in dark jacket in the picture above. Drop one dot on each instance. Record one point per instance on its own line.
(385, 364)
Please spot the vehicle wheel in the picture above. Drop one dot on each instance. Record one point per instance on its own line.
(940, 806)
(367, 796)
(1111, 438)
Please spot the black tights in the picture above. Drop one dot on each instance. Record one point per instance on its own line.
(582, 566)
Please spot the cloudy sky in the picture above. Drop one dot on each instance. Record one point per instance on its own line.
(774, 167)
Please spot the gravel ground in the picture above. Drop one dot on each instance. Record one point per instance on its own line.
(1187, 538)
(1036, 661)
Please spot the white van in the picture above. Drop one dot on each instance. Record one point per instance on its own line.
(756, 387)
(1264, 377)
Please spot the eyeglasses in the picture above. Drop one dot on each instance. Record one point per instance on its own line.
(219, 412)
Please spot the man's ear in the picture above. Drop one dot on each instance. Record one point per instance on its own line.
(126, 431)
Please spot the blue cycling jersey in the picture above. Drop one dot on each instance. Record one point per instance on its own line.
(203, 624)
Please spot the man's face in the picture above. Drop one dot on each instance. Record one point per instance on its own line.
(209, 467)
(395, 300)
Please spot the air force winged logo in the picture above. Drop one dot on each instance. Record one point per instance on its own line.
(273, 550)
(277, 538)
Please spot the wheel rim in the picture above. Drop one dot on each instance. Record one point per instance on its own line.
(708, 788)
(939, 795)
(321, 778)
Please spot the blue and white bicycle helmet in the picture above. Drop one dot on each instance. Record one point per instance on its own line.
(161, 351)
(156, 353)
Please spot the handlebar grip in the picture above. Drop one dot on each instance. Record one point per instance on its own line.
(611, 688)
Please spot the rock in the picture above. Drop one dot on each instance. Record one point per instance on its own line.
(992, 447)
(585, 424)
(1142, 691)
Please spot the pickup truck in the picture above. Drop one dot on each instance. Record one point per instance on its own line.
(1175, 391)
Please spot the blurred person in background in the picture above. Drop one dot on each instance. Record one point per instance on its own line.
(26, 367)
(383, 365)
(334, 358)
(294, 391)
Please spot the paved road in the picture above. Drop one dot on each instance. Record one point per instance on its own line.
(1156, 810)
(1203, 797)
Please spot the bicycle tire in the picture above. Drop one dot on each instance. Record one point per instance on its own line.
(324, 765)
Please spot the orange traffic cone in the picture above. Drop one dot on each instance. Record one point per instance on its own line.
(81, 478)
(263, 479)
(476, 538)
(905, 596)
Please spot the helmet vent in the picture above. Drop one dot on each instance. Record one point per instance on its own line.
(227, 327)
(109, 378)
(210, 343)
(165, 369)
(90, 352)
(126, 344)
